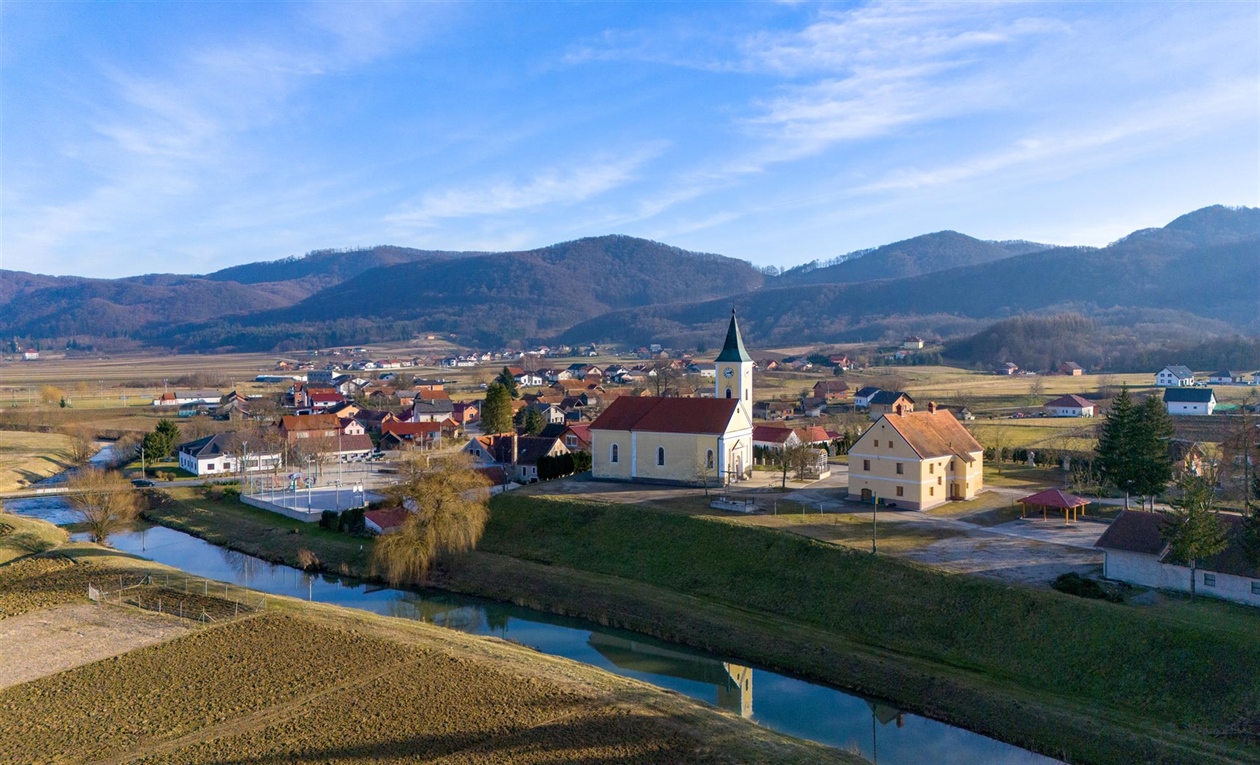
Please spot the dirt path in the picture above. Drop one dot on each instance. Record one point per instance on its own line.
(54, 639)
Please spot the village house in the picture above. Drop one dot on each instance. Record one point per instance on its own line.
(1070, 405)
(774, 437)
(862, 399)
(916, 460)
(396, 436)
(1228, 377)
(431, 411)
(224, 453)
(677, 440)
(385, 521)
(183, 398)
(465, 412)
(889, 401)
(297, 427)
(517, 455)
(841, 362)
(831, 390)
(812, 406)
(1007, 368)
(1071, 369)
(1134, 551)
(912, 343)
(30, 355)
(1174, 376)
(1190, 401)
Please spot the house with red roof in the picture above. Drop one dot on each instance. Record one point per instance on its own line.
(915, 461)
(1070, 405)
(652, 439)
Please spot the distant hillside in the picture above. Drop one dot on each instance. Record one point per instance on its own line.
(1215, 283)
(913, 257)
(514, 295)
(329, 266)
(1196, 277)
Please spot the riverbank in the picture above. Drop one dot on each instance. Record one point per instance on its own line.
(307, 681)
(1080, 680)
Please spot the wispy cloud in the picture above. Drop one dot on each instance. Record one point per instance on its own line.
(567, 185)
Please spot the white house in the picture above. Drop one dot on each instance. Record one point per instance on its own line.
(221, 453)
(1190, 400)
(1134, 551)
(530, 380)
(1174, 376)
(30, 355)
(385, 521)
(1070, 405)
(862, 398)
(1227, 377)
(774, 437)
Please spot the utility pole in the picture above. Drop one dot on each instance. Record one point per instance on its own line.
(874, 524)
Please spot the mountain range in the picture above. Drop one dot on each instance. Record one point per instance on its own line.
(1200, 274)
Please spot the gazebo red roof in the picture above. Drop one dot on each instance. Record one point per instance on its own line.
(1055, 498)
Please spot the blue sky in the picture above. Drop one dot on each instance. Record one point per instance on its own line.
(186, 137)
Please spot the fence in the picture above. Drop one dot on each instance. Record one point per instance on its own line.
(184, 596)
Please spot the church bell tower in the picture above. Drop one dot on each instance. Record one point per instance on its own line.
(734, 369)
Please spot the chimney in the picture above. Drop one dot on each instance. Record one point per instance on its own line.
(515, 447)
(931, 407)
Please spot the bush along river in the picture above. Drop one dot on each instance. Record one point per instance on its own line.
(870, 727)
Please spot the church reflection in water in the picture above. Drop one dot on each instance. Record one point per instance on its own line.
(733, 682)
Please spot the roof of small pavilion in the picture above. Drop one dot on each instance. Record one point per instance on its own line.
(1054, 498)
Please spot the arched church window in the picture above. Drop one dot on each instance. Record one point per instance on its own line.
(612, 457)
(708, 459)
(728, 392)
(660, 455)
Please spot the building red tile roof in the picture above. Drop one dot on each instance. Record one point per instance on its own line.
(668, 415)
(771, 434)
(813, 434)
(321, 396)
(1071, 401)
(934, 434)
(301, 422)
(387, 518)
(411, 428)
(1054, 498)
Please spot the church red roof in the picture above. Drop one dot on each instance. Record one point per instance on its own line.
(667, 415)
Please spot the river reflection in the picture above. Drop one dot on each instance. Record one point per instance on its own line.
(870, 727)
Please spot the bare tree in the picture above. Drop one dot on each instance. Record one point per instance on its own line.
(447, 511)
(104, 500)
(82, 447)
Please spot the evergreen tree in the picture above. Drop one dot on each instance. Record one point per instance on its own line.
(1116, 441)
(506, 379)
(1251, 524)
(1153, 428)
(170, 435)
(534, 422)
(496, 410)
(1192, 529)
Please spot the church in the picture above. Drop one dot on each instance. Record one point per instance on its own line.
(682, 440)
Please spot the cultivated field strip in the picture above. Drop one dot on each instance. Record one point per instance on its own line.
(272, 688)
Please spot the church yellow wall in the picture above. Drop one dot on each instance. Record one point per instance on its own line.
(683, 453)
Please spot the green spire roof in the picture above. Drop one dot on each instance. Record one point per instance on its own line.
(733, 349)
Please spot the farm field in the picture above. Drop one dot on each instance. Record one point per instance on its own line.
(29, 457)
(317, 684)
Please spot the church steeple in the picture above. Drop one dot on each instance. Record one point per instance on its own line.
(733, 369)
(733, 350)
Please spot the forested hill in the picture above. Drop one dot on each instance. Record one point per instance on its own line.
(1197, 274)
(913, 257)
(500, 296)
(1208, 287)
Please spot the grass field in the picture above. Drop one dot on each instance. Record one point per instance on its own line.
(1039, 642)
(29, 457)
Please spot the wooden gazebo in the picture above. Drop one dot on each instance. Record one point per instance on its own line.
(1070, 504)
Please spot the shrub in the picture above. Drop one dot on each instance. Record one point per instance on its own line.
(1073, 583)
(328, 520)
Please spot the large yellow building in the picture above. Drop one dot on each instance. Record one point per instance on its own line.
(916, 460)
(682, 440)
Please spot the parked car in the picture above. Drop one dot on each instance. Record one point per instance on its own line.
(142, 483)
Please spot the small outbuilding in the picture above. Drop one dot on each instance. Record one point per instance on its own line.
(1054, 499)
(1070, 405)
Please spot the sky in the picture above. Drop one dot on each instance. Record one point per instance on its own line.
(187, 137)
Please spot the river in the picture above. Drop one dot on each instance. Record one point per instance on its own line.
(873, 728)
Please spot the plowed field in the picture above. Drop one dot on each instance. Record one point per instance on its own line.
(274, 688)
